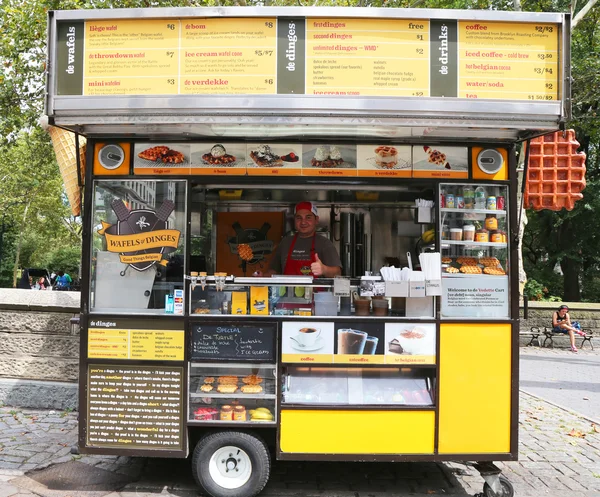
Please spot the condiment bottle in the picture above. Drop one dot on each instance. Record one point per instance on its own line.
(482, 235)
(491, 222)
(239, 413)
(226, 413)
(496, 237)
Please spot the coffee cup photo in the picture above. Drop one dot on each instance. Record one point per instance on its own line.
(306, 337)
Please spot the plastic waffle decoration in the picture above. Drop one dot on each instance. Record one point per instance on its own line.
(555, 173)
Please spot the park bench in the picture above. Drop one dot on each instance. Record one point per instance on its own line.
(550, 336)
(533, 334)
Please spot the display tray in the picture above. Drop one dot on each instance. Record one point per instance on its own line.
(203, 413)
(268, 389)
(461, 275)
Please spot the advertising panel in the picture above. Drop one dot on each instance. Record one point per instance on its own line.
(352, 342)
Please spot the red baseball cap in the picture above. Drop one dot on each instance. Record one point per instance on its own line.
(309, 206)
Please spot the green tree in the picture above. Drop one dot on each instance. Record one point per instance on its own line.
(35, 214)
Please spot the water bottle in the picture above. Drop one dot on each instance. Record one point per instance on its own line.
(480, 197)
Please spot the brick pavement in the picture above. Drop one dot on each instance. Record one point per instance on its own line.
(552, 463)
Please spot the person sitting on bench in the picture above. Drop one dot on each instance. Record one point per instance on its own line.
(561, 323)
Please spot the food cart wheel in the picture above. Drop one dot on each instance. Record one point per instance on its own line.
(231, 464)
(507, 489)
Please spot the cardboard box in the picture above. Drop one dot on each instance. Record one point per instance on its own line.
(416, 288)
(239, 303)
(433, 288)
(259, 300)
(396, 288)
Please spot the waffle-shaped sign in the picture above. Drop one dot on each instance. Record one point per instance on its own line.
(555, 172)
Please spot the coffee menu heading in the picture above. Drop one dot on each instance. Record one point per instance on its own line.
(329, 57)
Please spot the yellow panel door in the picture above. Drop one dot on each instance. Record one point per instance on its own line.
(474, 383)
(357, 432)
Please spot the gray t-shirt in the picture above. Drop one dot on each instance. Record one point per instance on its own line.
(323, 247)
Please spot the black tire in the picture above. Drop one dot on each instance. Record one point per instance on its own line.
(507, 489)
(216, 475)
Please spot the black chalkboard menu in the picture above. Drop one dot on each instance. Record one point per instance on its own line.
(234, 341)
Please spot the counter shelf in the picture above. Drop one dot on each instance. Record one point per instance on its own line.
(473, 211)
(495, 245)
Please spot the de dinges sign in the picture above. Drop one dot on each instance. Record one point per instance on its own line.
(234, 340)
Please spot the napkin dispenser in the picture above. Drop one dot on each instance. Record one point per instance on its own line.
(396, 288)
(416, 288)
(433, 288)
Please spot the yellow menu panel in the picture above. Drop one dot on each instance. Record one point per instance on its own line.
(108, 343)
(131, 57)
(228, 56)
(508, 60)
(367, 57)
(159, 345)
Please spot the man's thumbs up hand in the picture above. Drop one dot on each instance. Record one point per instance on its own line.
(317, 268)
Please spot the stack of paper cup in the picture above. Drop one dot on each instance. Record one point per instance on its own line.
(63, 142)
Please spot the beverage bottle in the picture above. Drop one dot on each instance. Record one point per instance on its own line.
(480, 197)
(469, 197)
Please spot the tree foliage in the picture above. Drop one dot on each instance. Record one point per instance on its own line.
(565, 240)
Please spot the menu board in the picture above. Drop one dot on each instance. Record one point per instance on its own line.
(135, 407)
(238, 341)
(508, 60)
(228, 56)
(356, 342)
(139, 339)
(194, 56)
(367, 57)
(314, 56)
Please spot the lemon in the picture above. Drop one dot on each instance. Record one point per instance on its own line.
(299, 291)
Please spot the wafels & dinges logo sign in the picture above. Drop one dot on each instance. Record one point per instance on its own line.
(141, 236)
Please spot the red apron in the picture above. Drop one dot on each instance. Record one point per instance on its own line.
(300, 267)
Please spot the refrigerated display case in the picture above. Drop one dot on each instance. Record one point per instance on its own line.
(232, 393)
(329, 386)
(475, 250)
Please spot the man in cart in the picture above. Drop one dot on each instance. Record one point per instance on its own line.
(305, 253)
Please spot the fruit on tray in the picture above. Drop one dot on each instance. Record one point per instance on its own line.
(428, 236)
(261, 414)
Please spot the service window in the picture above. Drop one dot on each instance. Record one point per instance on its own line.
(138, 246)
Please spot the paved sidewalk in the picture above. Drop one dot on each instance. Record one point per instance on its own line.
(563, 378)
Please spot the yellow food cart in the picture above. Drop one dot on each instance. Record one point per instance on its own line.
(204, 128)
